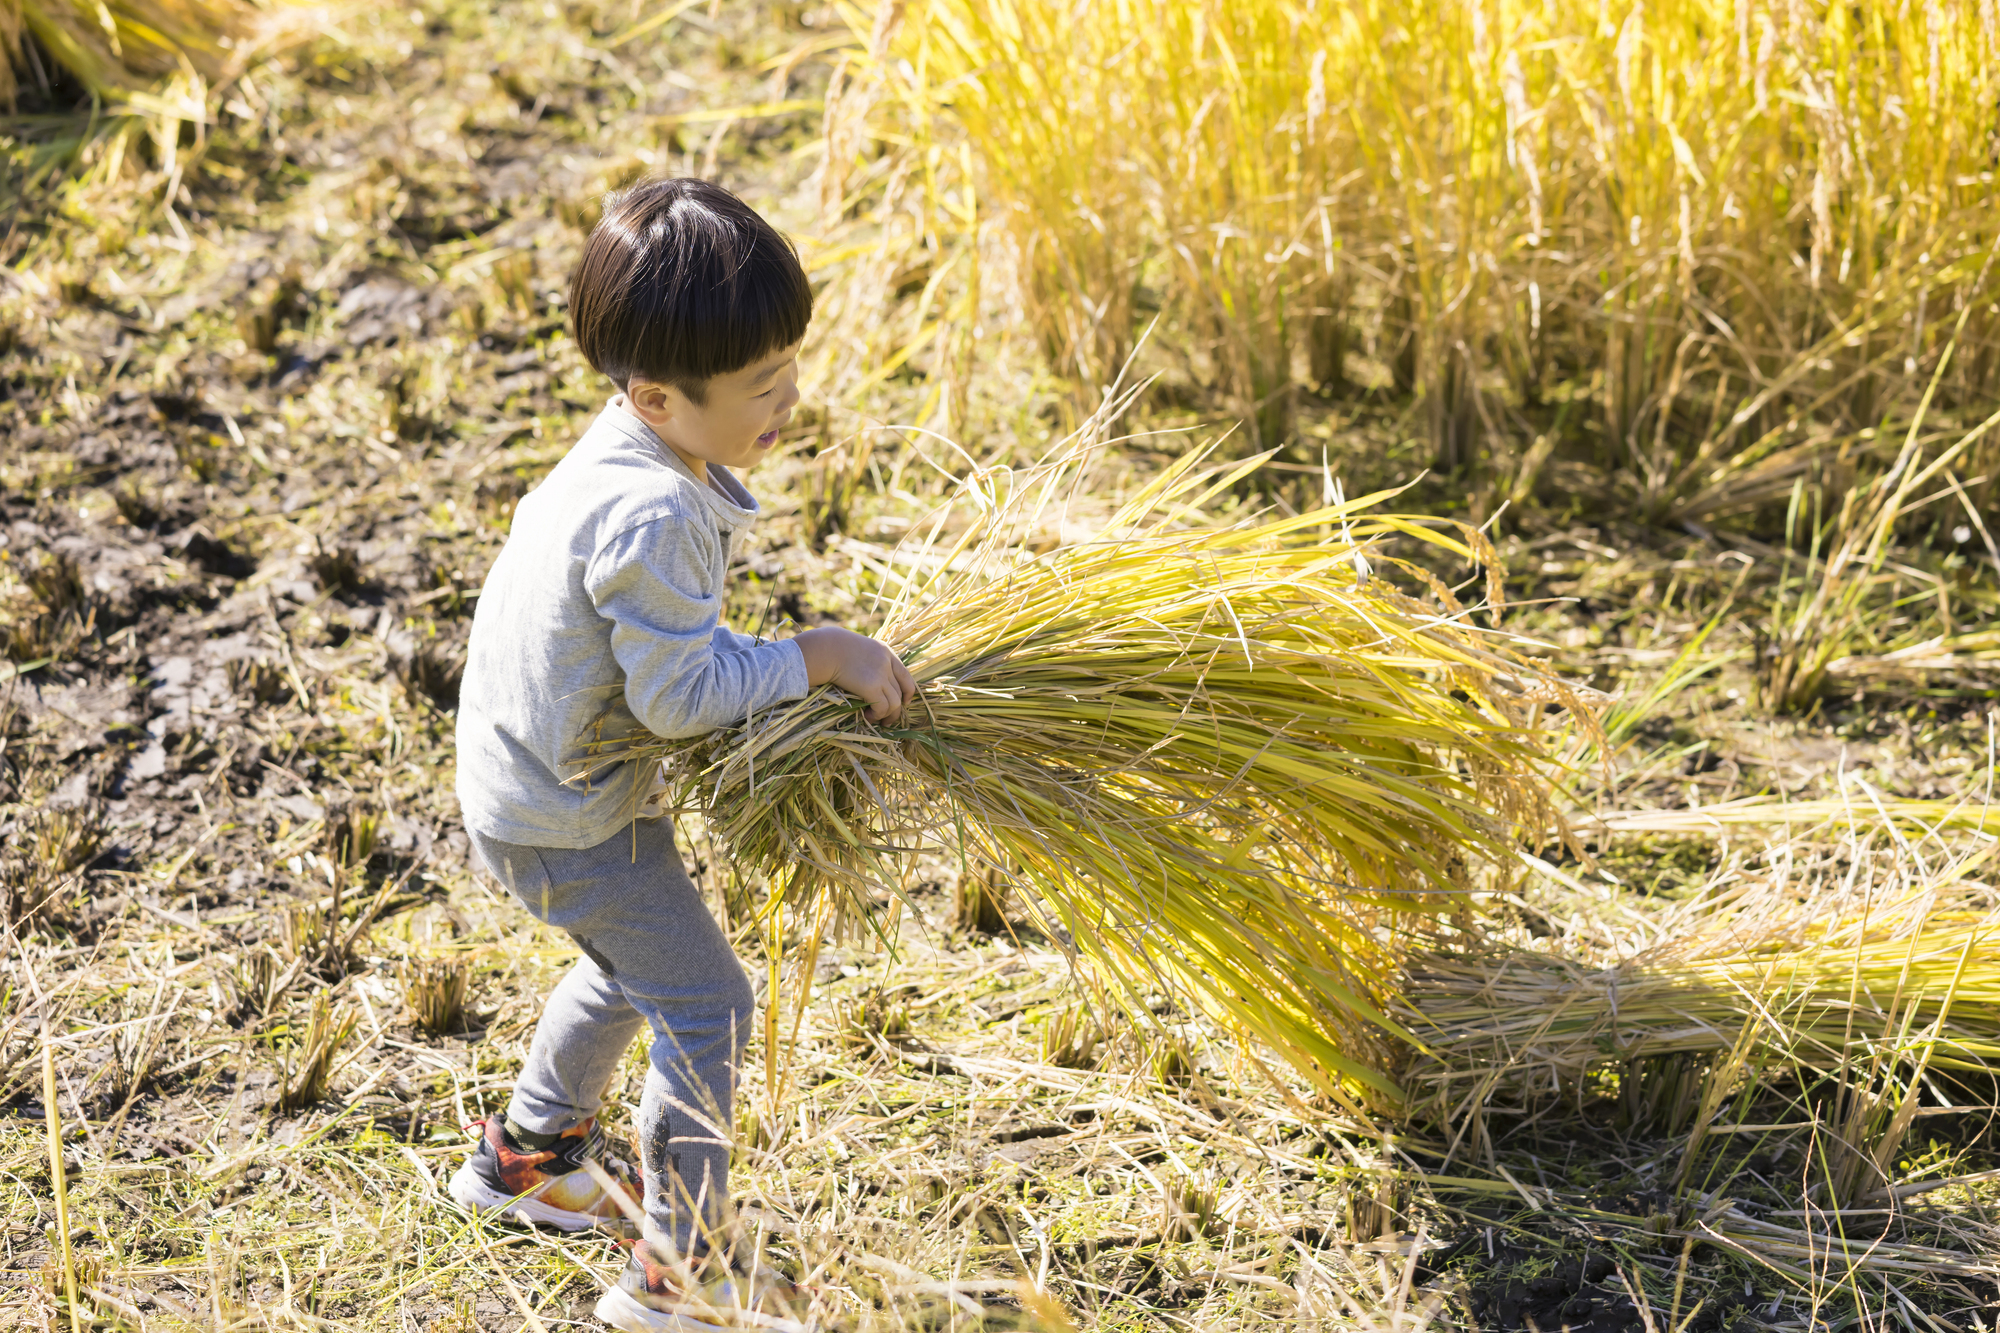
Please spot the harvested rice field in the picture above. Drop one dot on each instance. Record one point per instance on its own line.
(1603, 940)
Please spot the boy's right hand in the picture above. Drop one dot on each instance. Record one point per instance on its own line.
(863, 667)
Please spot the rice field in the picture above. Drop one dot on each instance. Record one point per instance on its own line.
(1625, 370)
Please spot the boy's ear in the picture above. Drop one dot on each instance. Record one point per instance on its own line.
(652, 400)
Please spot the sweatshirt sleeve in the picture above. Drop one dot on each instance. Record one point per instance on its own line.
(727, 640)
(680, 678)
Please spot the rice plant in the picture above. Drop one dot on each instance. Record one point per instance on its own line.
(1730, 231)
(1825, 609)
(148, 69)
(1222, 760)
(122, 48)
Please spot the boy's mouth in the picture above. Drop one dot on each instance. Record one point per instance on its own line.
(767, 439)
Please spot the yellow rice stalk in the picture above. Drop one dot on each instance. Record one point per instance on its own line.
(1230, 763)
(1740, 218)
(151, 67)
(121, 48)
(1857, 811)
(1821, 979)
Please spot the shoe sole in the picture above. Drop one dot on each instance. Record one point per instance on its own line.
(475, 1195)
(620, 1309)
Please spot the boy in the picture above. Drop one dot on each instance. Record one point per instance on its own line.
(600, 617)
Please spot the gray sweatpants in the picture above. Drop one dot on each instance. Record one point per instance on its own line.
(653, 957)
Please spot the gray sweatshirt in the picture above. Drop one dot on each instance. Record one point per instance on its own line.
(602, 617)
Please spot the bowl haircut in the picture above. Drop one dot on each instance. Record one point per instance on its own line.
(681, 281)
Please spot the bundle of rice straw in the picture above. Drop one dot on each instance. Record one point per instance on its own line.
(1875, 965)
(1228, 763)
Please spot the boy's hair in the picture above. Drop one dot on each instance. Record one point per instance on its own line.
(681, 281)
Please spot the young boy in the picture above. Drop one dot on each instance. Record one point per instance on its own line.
(601, 617)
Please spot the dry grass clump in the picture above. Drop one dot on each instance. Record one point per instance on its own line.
(1222, 761)
(1709, 240)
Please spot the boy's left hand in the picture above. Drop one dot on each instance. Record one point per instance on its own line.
(863, 667)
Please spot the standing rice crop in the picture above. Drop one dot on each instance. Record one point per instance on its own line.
(1723, 239)
(146, 67)
(119, 48)
(1232, 764)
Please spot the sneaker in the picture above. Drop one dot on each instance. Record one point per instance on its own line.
(548, 1187)
(650, 1298)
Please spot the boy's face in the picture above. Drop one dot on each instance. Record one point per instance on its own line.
(739, 423)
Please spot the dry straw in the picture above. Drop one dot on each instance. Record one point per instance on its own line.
(1228, 762)
(1875, 966)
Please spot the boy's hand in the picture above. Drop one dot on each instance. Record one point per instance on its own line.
(861, 666)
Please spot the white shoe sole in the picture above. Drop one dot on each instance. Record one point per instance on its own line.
(618, 1308)
(475, 1195)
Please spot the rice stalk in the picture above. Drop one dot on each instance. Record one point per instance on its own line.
(1070, 1039)
(120, 49)
(308, 1065)
(1944, 652)
(1818, 979)
(865, 1022)
(435, 989)
(253, 984)
(1864, 810)
(1190, 1209)
(980, 901)
(1737, 221)
(59, 1177)
(1229, 764)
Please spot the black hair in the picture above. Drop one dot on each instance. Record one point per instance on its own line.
(681, 281)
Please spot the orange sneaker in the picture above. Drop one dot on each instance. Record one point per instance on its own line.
(546, 1187)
